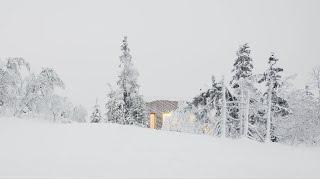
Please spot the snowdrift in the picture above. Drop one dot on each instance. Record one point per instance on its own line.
(39, 149)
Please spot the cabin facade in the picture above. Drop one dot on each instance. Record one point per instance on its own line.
(158, 111)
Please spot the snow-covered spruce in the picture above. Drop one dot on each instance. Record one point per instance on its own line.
(238, 113)
(278, 107)
(96, 116)
(125, 105)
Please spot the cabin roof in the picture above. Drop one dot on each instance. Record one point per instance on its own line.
(161, 106)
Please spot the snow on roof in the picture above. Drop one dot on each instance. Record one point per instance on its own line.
(161, 106)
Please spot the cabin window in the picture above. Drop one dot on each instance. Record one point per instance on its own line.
(165, 116)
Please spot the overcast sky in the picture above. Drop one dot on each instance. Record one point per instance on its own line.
(176, 44)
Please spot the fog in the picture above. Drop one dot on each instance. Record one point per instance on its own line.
(176, 45)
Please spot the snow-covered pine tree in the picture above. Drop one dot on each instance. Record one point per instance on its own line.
(125, 104)
(242, 67)
(206, 103)
(277, 106)
(96, 114)
(138, 111)
(241, 81)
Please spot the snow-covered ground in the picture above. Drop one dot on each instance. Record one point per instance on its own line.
(37, 149)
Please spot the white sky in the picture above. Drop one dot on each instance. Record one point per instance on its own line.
(176, 44)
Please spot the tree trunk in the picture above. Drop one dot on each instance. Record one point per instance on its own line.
(224, 110)
(246, 122)
(241, 107)
(268, 132)
(318, 105)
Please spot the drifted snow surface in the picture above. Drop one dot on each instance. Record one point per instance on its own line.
(38, 149)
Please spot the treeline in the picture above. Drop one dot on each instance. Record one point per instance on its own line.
(27, 94)
(264, 107)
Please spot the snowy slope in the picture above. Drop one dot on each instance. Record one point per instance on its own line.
(37, 149)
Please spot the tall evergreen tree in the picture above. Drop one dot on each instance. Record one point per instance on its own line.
(241, 80)
(125, 104)
(277, 106)
(242, 67)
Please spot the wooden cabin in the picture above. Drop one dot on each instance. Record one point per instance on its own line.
(159, 110)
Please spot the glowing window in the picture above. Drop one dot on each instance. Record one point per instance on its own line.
(165, 116)
(153, 119)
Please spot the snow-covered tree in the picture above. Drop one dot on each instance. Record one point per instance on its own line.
(56, 107)
(31, 97)
(79, 114)
(208, 100)
(25, 94)
(316, 84)
(302, 126)
(315, 75)
(12, 74)
(223, 109)
(114, 106)
(242, 67)
(277, 105)
(125, 105)
(206, 103)
(96, 114)
(241, 84)
(49, 80)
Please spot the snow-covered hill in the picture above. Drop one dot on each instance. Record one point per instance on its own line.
(37, 149)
